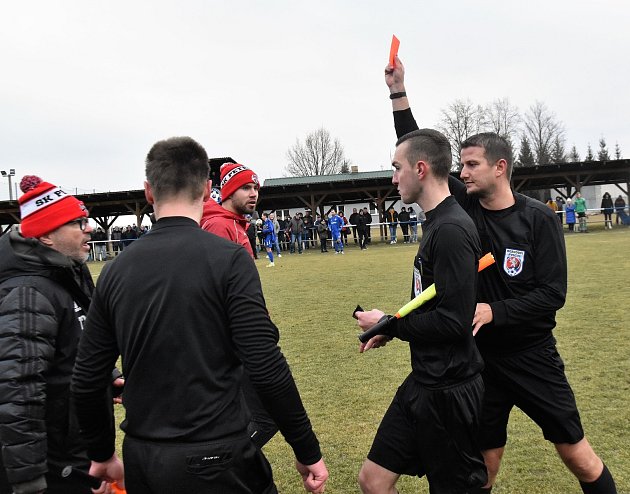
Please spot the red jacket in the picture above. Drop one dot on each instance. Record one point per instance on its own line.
(218, 220)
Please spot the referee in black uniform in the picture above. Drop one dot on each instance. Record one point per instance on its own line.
(517, 303)
(431, 425)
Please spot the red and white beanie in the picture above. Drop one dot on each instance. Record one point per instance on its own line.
(234, 176)
(44, 207)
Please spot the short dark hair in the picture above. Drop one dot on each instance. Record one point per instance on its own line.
(495, 148)
(431, 146)
(177, 165)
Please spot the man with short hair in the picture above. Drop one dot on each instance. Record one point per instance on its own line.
(353, 222)
(45, 293)
(269, 238)
(517, 303)
(431, 425)
(239, 195)
(368, 228)
(202, 318)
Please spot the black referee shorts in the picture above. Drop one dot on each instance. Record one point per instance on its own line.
(234, 466)
(535, 382)
(434, 433)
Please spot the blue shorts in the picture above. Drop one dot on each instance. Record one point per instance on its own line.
(268, 242)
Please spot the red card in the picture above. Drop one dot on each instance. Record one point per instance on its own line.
(393, 51)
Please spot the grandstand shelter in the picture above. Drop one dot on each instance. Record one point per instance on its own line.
(347, 190)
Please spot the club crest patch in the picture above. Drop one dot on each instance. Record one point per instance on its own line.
(513, 262)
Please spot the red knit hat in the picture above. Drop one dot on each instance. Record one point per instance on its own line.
(234, 176)
(44, 207)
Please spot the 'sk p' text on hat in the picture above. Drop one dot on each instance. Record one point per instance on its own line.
(234, 176)
(44, 207)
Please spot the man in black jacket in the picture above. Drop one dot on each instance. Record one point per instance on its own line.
(45, 292)
(185, 310)
(517, 303)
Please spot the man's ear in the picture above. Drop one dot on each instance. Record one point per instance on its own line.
(207, 189)
(46, 240)
(421, 170)
(501, 167)
(148, 193)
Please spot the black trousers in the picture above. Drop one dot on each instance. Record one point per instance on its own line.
(233, 465)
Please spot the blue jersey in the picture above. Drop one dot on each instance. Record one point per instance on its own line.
(269, 231)
(335, 223)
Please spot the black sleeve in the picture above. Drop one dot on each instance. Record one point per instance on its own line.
(27, 348)
(404, 122)
(256, 340)
(91, 379)
(455, 275)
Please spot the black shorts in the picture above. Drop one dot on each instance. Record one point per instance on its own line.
(535, 382)
(581, 215)
(434, 433)
(233, 465)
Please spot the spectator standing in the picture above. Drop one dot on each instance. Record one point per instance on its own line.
(368, 227)
(392, 222)
(100, 244)
(297, 229)
(345, 228)
(251, 235)
(45, 293)
(403, 218)
(413, 224)
(117, 240)
(335, 224)
(322, 230)
(361, 226)
(569, 211)
(607, 209)
(207, 290)
(580, 209)
(560, 202)
(308, 229)
(620, 205)
(239, 195)
(353, 222)
(517, 304)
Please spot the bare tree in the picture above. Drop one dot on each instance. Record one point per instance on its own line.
(460, 120)
(318, 155)
(542, 128)
(503, 118)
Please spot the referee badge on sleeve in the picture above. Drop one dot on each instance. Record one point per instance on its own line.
(513, 261)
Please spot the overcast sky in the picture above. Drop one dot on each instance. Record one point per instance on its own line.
(87, 87)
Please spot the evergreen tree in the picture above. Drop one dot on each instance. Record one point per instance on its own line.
(525, 156)
(345, 168)
(589, 153)
(617, 151)
(602, 154)
(574, 156)
(558, 153)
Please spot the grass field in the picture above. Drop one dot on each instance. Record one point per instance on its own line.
(311, 297)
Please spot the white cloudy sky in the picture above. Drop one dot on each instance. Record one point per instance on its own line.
(87, 87)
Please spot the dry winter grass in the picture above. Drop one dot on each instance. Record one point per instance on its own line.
(311, 297)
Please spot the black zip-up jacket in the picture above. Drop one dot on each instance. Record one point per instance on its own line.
(181, 305)
(528, 283)
(44, 297)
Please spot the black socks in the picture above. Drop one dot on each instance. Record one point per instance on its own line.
(603, 485)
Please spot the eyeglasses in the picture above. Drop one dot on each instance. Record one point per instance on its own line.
(82, 222)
